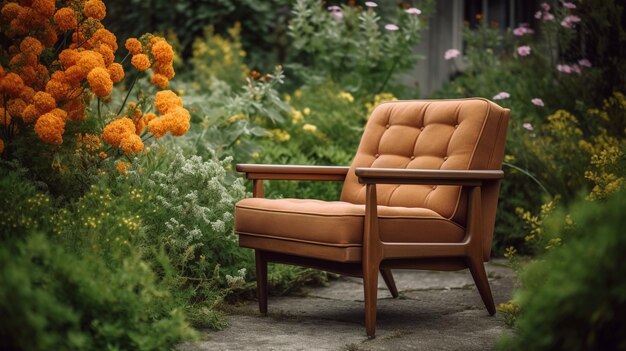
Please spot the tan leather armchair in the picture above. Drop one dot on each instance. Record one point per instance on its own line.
(421, 193)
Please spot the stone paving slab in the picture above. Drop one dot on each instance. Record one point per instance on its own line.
(435, 311)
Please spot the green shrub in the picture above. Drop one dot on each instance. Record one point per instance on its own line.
(574, 297)
(51, 299)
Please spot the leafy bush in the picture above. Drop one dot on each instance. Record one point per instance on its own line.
(573, 298)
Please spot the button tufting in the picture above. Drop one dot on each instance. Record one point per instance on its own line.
(387, 126)
(421, 128)
(412, 157)
(377, 155)
(445, 158)
(434, 187)
(456, 126)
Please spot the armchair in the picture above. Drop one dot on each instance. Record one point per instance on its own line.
(421, 193)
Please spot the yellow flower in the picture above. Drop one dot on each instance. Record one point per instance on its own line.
(309, 128)
(235, 118)
(306, 111)
(65, 19)
(95, 9)
(100, 82)
(122, 167)
(297, 93)
(296, 116)
(141, 62)
(346, 96)
(280, 135)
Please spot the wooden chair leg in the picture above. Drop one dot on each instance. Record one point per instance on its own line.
(477, 268)
(370, 285)
(261, 281)
(391, 284)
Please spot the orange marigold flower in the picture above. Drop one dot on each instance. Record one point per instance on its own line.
(27, 94)
(58, 89)
(100, 82)
(107, 54)
(10, 11)
(76, 110)
(44, 102)
(162, 52)
(1, 146)
(89, 60)
(59, 113)
(11, 84)
(122, 167)
(164, 69)
(95, 9)
(132, 144)
(117, 130)
(103, 155)
(74, 74)
(28, 75)
(50, 128)
(158, 127)
(31, 46)
(141, 62)
(116, 71)
(30, 114)
(104, 36)
(140, 126)
(5, 117)
(149, 117)
(16, 107)
(166, 100)
(179, 121)
(44, 7)
(48, 36)
(69, 57)
(65, 19)
(133, 46)
(160, 80)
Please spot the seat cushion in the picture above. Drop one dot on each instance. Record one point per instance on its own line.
(338, 223)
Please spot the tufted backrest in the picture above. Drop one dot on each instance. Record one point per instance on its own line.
(432, 134)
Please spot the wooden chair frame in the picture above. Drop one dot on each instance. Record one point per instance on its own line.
(377, 255)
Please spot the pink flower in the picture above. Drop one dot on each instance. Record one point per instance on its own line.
(451, 53)
(336, 12)
(564, 69)
(537, 102)
(570, 21)
(548, 17)
(538, 14)
(522, 30)
(575, 68)
(371, 4)
(413, 11)
(334, 8)
(501, 96)
(523, 50)
(545, 6)
(569, 5)
(528, 126)
(584, 63)
(391, 27)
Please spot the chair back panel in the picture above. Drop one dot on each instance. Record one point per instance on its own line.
(460, 134)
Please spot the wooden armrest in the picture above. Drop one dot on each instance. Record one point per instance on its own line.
(283, 172)
(426, 176)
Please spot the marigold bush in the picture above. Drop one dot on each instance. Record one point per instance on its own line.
(60, 61)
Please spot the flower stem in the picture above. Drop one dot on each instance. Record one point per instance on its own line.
(389, 74)
(525, 172)
(132, 85)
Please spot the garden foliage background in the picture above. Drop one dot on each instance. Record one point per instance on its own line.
(120, 124)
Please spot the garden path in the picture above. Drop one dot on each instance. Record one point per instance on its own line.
(435, 311)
